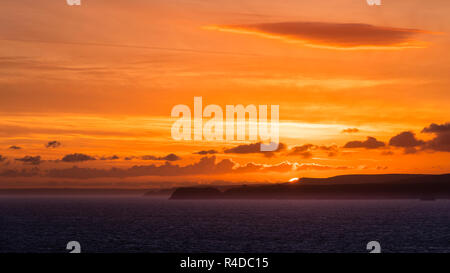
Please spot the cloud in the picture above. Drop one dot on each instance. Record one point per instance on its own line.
(14, 147)
(32, 160)
(2, 158)
(76, 157)
(22, 173)
(113, 157)
(53, 144)
(332, 35)
(441, 142)
(206, 152)
(436, 128)
(387, 153)
(205, 166)
(303, 150)
(370, 143)
(350, 130)
(332, 150)
(319, 167)
(406, 140)
(253, 149)
(169, 157)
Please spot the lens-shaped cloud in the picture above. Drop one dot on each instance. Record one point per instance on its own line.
(333, 35)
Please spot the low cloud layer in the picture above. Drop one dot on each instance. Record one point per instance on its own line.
(306, 150)
(370, 143)
(113, 157)
(205, 166)
(76, 157)
(169, 157)
(31, 160)
(206, 152)
(254, 148)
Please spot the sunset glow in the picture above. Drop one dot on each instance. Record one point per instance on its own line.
(357, 93)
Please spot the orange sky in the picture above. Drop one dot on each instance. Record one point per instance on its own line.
(101, 80)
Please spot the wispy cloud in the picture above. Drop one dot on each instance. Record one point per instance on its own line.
(53, 144)
(343, 36)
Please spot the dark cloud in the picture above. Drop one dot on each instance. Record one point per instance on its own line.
(245, 149)
(441, 142)
(14, 147)
(333, 35)
(370, 143)
(32, 160)
(114, 157)
(350, 130)
(332, 150)
(253, 149)
(76, 157)
(205, 166)
(306, 150)
(406, 140)
(436, 128)
(20, 173)
(53, 144)
(206, 152)
(169, 157)
(303, 150)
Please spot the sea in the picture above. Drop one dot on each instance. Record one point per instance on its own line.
(139, 224)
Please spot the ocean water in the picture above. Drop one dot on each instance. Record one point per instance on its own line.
(149, 224)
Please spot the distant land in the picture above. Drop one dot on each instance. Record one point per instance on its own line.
(383, 186)
(73, 191)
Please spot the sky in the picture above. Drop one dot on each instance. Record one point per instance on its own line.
(86, 92)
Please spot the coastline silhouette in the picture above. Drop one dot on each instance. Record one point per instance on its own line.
(390, 186)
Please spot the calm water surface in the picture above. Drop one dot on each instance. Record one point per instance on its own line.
(148, 224)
